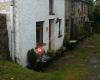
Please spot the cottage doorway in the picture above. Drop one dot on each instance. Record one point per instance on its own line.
(51, 34)
(4, 49)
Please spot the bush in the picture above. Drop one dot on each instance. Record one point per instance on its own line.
(97, 18)
(5, 55)
(59, 52)
(31, 57)
(51, 53)
(65, 41)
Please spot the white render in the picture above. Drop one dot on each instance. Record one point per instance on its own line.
(26, 14)
(22, 16)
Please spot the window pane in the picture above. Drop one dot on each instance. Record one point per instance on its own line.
(39, 32)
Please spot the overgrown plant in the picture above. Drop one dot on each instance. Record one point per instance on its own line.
(97, 18)
(60, 51)
(51, 52)
(31, 57)
(65, 41)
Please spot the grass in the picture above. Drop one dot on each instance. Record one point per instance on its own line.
(66, 71)
(70, 72)
(12, 71)
(87, 48)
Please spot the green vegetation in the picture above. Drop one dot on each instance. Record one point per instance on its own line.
(97, 18)
(31, 57)
(72, 68)
(51, 52)
(65, 41)
(12, 71)
(94, 15)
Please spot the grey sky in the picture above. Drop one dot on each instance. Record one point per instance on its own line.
(4, 0)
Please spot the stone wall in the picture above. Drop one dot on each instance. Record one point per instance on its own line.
(4, 49)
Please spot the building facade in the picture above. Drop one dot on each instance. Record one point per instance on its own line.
(76, 14)
(36, 22)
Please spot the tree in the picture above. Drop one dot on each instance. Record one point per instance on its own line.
(97, 18)
(91, 8)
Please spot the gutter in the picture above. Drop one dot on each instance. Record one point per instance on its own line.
(13, 34)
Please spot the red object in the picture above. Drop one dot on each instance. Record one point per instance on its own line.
(39, 51)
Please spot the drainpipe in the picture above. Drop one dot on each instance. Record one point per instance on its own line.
(13, 43)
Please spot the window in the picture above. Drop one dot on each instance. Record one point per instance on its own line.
(60, 30)
(39, 32)
(51, 5)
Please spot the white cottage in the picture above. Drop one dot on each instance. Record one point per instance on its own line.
(33, 22)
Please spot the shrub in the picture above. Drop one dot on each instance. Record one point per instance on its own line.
(96, 19)
(59, 52)
(31, 57)
(65, 41)
(5, 54)
(51, 53)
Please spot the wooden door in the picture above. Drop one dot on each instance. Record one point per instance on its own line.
(51, 34)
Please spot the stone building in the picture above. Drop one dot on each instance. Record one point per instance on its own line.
(36, 22)
(76, 14)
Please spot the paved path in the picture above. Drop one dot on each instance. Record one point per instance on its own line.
(93, 63)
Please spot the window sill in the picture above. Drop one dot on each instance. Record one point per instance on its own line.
(51, 13)
(59, 36)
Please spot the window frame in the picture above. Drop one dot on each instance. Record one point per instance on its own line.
(60, 29)
(39, 28)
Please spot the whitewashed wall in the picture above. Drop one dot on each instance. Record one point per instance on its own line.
(27, 13)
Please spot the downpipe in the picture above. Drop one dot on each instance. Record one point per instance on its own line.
(13, 34)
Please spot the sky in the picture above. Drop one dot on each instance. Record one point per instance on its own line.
(4, 0)
(10, 0)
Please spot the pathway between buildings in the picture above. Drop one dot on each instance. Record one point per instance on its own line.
(87, 54)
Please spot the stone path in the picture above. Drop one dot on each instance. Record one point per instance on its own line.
(93, 63)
